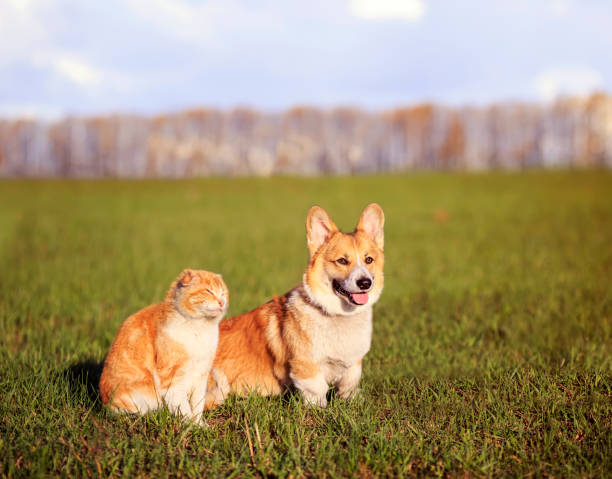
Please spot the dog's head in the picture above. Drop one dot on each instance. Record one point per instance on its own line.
(345, 270)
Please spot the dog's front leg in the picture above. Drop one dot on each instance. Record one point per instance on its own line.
(313, 389)
(348, 385)
(310, 381)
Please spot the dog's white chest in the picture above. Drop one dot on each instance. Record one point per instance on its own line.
(340, 342)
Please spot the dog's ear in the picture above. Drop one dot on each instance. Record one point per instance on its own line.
(372, 222)
(319, 227)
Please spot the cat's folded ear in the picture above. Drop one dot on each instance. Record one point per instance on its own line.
(185, 278)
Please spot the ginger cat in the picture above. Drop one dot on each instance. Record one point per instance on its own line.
(164, 352)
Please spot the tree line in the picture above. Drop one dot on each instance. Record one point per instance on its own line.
(571, 132)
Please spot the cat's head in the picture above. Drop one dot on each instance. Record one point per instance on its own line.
(199, 294)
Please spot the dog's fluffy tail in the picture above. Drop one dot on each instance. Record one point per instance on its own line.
(216, 396)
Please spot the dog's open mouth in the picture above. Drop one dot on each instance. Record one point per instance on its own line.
(355, 298)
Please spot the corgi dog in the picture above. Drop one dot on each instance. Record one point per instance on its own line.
(164, 352)
(317, 334)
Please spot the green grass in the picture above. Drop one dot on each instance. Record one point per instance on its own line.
(491, 349)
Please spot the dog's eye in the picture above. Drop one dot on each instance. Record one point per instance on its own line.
(369, 260)
(343, 261)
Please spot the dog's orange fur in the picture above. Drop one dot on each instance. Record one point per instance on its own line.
(296, 337)
(153, 352)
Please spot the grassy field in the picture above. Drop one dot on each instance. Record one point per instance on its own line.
(492, 341)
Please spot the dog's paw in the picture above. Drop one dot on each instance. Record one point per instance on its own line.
(196, 420)
(201, 423)
(315, 401)
(350, 395)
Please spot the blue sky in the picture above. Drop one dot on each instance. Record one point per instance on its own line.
(78, 56)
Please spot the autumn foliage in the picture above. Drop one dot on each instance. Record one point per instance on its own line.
(572, 132)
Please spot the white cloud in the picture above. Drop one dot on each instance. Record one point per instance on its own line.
(182, 23)
(21, 5)
(37, 111)
(81, 73)
(20, 21)
(200, 23)
(407, 10)
(77, 72)
(24, 19)
(552, 83)
(178, 18)
(560, 7)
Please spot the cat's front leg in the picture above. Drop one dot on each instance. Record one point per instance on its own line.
(177, 400)
(197, 400)
(348, 385)
(137, 401)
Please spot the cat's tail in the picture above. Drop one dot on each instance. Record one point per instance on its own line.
(216, 396)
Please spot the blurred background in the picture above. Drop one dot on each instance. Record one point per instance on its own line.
(181, 88)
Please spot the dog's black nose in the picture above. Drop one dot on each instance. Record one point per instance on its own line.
(364, 283)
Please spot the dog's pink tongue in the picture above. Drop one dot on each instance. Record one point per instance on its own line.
(360, 298)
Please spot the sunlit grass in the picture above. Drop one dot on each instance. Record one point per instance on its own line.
(491, 350)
